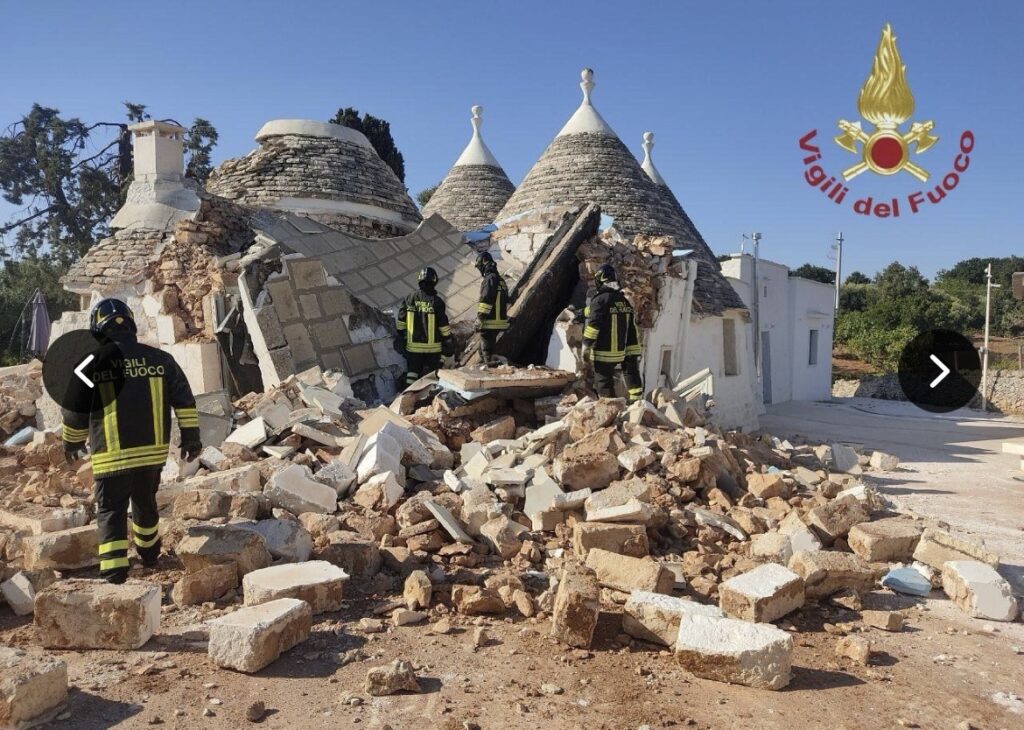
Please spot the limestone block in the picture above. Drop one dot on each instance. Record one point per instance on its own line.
(285, 539)
(735, 651)
(412, 449)
(201, 504)
(576, 608)
(622, 539)
(773, 546)
(883, 461)
(572, 500)
(624, 573)
(827, 571)
(62, 550)
(398, 676)
(632, 511)
(317, 582)
(636, 458)
(448, 522)
(36, 519)
(95, 614)
(766, 486)
(979, 590)
(500, 428)
(351, 552)
(590, 471)
(250, 435)
(201, 363)
(253, 637)
(835, 518)
(891, 540)
(844, 459)
(380, 492)
(417, 590)
(764, 594)
(207, 584)
(476, 601)
(19, 593)
(618, 494)
(294, 489)
(937, 547)
(338, 475)
(655, 617)
(31, 687)
(885, 620)
(205, 545)
(503, 535)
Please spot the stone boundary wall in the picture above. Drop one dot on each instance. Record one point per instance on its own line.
(1005, 390)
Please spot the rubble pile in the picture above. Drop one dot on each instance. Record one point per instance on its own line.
(639, 262)
(554, 508)
(20, 388)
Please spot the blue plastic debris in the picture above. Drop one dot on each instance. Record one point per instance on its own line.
(907, 580)
(20, 438)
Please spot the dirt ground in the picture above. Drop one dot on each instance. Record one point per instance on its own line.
(943, 670)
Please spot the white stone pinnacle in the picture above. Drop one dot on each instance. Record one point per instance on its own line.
(586, 119)
(476, 152)
(648, 163)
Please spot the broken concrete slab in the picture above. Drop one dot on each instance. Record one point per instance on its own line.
(890, 540)
(735, 651)
(909, 581)
(448, 522)
(622, 539)
(979, 590)
(764, 594)
(633, 511)
(827, 571)
(317, 582)
(655, 618)
(94, 614)
(205, 545)
(294, 489)
(577, 607)
(32, 688)
(541, 493)
(627, 574)
(70, 549)
(937, 547)
(253, 637)
(382, 454)
(251, 435)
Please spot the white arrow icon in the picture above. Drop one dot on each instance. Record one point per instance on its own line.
(81, 367)
(942, 375)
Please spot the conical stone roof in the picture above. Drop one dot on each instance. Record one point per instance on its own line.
(475, 189)
(324, 171)
(588, 163)
(711, 289)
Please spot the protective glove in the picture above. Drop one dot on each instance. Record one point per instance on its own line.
(73, 452)
(399, 343)
(190, 450)
(588, 353)
(448, 347)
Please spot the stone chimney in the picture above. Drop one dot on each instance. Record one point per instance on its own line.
(159, 150)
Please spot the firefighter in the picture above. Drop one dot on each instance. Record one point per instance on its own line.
(423, 331)
(128, 431)
(492, 309)
(611, 337)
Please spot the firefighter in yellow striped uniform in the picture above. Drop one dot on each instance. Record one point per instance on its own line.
(424, 334)
(492, 307)
(611, 337)
(128, 431)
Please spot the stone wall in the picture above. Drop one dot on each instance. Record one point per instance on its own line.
(470, 196)
(1005, 390)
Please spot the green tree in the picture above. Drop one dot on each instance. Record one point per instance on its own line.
(856, 277)
(423, 196)
(814, 273)
(378, 131)
(18, 282)
(199, 143)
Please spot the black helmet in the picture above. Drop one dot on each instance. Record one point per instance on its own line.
(484, 260)
(111, 314)
(427, 275)
(605, 274)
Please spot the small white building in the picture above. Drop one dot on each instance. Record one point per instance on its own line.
(796, 317)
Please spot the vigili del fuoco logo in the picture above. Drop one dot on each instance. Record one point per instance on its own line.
(886, 103)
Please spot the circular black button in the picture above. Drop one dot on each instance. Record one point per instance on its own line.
(83, 372)
(939, 371)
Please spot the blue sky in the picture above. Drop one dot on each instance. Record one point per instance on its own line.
(728, 88)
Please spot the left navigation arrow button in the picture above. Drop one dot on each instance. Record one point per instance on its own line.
(82, 376)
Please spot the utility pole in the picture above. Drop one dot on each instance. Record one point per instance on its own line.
(984, 347)
(838, 246)
(755, 304)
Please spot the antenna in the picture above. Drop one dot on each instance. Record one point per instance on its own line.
(838, 247)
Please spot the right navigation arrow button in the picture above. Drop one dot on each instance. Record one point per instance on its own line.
(942, 375)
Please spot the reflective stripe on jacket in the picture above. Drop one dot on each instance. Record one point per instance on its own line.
(493, 305)
(130, 428)
(611, 328)
(424, 322)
